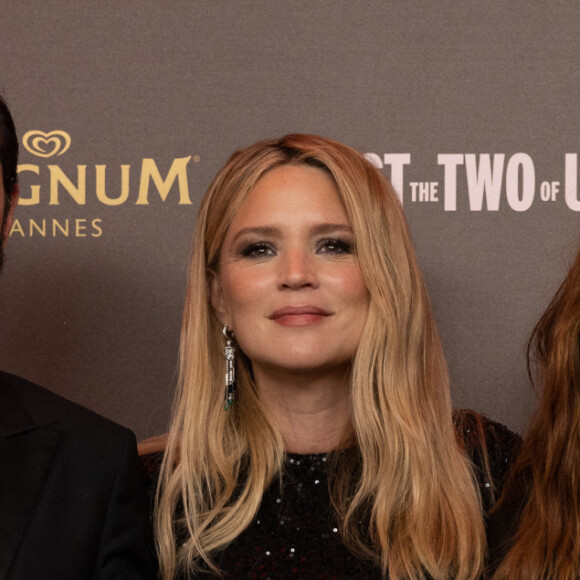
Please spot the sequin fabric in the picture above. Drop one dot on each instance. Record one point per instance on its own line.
(295, 534)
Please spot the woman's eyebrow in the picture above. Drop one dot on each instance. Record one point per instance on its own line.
(327, 228)
(258, 230)
(323, 228)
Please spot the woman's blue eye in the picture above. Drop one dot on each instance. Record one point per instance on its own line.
(334, 247)
(257, 250)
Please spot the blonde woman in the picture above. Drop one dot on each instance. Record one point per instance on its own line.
(330, 451)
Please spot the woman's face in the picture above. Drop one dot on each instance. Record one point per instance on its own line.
(289, 284)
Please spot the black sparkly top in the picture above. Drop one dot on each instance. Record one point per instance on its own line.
(295, 534)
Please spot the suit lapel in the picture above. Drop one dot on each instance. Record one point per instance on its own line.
(26, 451)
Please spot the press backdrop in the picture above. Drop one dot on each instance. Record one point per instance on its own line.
(126, 110)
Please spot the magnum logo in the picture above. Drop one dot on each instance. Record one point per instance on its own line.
(74, 184)
(46, 144)
(52, 184)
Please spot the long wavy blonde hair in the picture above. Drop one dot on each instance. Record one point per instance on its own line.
(414, 485)
(547, 543)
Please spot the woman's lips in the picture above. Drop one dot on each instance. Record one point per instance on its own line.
(298, 315)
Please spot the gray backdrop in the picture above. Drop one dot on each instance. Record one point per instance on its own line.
(475, 105)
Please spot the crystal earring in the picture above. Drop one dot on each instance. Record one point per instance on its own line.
(230, 356)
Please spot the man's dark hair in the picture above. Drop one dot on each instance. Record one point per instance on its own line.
(8, 149)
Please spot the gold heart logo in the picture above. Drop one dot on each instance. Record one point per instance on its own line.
(44, 144)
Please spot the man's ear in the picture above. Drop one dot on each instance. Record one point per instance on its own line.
(9, 218)
(217, 299)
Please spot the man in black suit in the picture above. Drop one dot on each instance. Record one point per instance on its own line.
(71, 506)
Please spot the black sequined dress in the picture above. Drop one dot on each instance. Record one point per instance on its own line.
(295, 534)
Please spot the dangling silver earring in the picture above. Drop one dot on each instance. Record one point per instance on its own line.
(230, 356)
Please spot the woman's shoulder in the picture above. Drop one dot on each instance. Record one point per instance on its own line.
(492, 448)
(474, 429)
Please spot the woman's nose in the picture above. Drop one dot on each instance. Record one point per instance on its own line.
(298, 270)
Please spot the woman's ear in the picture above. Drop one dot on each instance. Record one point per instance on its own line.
(217, 299)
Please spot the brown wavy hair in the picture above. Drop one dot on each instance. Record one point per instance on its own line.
(547, 543)
(414, 485)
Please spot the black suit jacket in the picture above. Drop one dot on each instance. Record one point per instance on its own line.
(71, 506)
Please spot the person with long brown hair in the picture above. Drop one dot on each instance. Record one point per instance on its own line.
(330, 451)
(545, 524)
